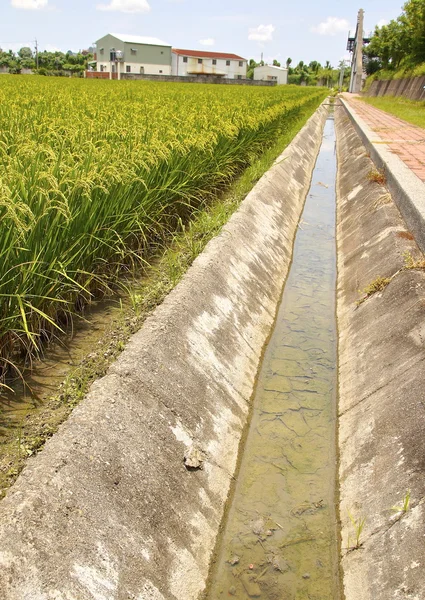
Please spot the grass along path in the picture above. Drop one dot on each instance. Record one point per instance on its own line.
(27, 436)
(412, 111)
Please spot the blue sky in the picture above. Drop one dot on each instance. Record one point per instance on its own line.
(307, 30)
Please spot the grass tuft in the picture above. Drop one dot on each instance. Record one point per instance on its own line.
(379, 284)
(377, 176)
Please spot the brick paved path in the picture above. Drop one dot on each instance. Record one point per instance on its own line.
(404, 139)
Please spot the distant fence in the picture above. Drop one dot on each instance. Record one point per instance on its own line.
(412, 88)
(180, 79)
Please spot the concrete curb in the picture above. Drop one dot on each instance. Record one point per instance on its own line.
(108, 510)
(381, 414)
(406, 188)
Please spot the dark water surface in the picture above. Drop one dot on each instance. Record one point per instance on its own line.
(280, 538)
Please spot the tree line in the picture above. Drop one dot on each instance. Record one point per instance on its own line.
(48, 63)
(313, 73)
(400, 43)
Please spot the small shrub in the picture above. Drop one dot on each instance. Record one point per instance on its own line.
(412, 263)
(379, 284)
(377, 176)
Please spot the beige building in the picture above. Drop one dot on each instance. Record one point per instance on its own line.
(133, 54)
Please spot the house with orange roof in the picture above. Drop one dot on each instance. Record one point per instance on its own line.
(206, 63)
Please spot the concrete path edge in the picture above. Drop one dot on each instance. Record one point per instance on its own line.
(406, 188)
(108, 510)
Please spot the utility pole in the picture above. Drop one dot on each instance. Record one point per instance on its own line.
(36, 53)
(355, 45)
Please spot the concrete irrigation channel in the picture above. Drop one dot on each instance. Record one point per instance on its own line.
(207, 458)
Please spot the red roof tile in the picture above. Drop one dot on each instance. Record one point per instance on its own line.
(204, 54)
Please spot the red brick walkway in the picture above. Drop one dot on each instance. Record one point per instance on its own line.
(404, 139)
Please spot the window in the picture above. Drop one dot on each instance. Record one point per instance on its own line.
(238, 76)
(214, 61)
(133, 51)
(128, 69)
(184, 58)
(102, 68)
(227, 63)
(101, 51)
(199, 61)
(241, 63)
(162, 52)
(160, 71)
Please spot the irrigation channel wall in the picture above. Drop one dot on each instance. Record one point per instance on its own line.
(412, 88)
(108, 510)
(381, 386)
(406, 188)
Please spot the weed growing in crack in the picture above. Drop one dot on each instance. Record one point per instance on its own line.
(411, 263)
(377, 176)
(404, 506)
(358, 526)
(379, 284)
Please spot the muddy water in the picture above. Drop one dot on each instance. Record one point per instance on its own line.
(280, 537)
(61, 358)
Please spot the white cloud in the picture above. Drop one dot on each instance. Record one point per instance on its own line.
(29, 4)
(207, 42)
(262, 33)
(126, 6)
(382, 22)
(331, 26)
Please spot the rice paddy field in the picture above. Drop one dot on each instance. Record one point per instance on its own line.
(94, 173)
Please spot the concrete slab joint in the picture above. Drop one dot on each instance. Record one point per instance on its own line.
(108, 509)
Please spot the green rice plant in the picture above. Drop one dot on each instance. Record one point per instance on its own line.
(358, 526)
(94, 175)
(404, 506)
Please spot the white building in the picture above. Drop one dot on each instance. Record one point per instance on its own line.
(198, 62)
(133, 54)
(271, 73)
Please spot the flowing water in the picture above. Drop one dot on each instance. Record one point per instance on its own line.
(280, 536)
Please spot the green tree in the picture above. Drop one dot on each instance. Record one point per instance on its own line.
(402, 41)
(413, 21)
(251, 66)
